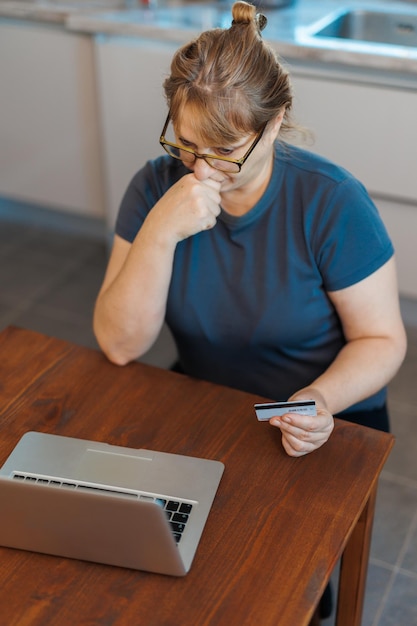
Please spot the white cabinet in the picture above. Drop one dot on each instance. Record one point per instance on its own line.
(371, 130)
(49, 135)
(401, 222)
(130, 74)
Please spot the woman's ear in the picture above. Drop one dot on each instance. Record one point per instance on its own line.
(274, 125)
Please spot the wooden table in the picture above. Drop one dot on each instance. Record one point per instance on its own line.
(278, 525)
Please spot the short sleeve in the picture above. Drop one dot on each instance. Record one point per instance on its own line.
(349, 237)
(144, 190)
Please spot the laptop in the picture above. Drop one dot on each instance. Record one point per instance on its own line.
(109, 504)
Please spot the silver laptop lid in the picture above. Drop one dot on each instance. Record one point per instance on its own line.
(84, 472)
(113, 466)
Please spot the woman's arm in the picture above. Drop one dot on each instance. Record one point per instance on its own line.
(130, 306)
(376, 343)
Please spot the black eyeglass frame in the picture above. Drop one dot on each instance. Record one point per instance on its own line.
(238, 162)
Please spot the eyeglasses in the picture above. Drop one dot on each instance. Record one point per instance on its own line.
(189, 156)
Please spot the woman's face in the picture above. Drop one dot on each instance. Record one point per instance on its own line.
(254, 170)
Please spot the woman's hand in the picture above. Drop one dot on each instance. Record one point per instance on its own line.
(302, 434)
(130, 308)
(188, 207)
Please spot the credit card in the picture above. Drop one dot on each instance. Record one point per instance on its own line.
(267, 410)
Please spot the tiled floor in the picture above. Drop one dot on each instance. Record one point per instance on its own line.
(48, 283)
(391, 597)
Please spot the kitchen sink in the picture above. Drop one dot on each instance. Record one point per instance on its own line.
(372, 26)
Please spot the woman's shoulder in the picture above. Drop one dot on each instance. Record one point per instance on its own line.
(145, 188)
(308, 164)
(161, 171)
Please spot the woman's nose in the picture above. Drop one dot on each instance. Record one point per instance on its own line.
(202, 170)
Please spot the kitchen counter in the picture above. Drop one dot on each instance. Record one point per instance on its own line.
(177, 22)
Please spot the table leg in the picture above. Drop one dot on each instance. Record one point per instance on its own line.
(315, 620)
(354, 567)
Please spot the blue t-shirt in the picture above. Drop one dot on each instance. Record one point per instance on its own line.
(247, 303)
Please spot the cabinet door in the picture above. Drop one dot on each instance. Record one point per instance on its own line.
(130, 75)
(370, 130)
(49, 135)
(401, 222)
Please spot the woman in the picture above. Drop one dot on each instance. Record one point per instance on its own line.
(270, 265)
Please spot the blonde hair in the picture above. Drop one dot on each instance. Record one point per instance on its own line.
(231, 79)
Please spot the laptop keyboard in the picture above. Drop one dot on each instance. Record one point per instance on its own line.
(177, 511)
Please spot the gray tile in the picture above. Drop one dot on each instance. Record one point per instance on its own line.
(403, 458)
(44, 248)
(9, 313)
(412, 336)
(77, 291)
(409, 562)
(396, 507)
(401, 605)
(403, 386)
(31, 266)
(33, 270)
(377, 583)
(402, 401)
(23, 279)
(409, 311)
(13, 236)
(62, 326)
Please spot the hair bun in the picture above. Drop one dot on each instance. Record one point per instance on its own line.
(244, 14)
